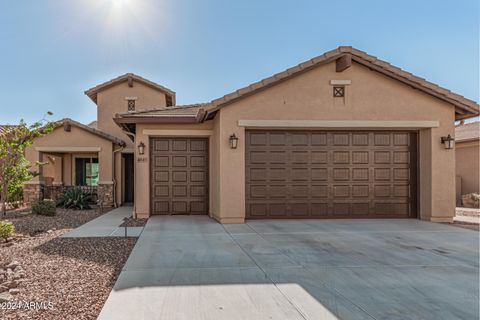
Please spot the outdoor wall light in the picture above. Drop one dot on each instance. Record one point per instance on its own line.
(448, 142)
(141, 148)
(233, 141)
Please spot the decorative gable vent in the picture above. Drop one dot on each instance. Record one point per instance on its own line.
(338, 91)
(131, 103)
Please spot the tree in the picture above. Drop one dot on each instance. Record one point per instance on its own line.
(14, 168)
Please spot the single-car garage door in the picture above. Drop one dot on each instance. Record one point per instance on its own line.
(330, 174)
(179, 175)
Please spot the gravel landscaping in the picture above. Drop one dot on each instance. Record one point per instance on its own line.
(67, 278)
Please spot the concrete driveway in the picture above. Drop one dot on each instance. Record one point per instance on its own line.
(194, 268)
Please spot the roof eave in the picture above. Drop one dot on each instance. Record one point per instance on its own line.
(92, 92)
(91, 130)
(466, 109)
(179, 119)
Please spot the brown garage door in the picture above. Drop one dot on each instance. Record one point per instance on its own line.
(179, 175)
(330, 174)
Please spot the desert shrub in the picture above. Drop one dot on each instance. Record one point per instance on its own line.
(471, 200)
(44, 207)
(6, 229)
(74, 198)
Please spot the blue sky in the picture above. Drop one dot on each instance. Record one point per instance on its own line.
(53, 50)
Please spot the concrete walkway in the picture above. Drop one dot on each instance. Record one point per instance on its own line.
(467, 216)
(194, 268)
(106, 225)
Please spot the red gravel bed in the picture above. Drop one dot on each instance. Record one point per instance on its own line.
(31, 224)
(75, 275)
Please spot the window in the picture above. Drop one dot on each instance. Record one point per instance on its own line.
(338, 91)
(86, 171)
(131, 105)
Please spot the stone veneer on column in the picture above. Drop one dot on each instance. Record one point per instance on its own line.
(105, 194)
(32, 192)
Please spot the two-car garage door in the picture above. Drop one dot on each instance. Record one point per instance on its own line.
(331, 174)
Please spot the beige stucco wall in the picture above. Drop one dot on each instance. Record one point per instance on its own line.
(76, 138)
(467, 166)
(142, 162)
(371, 96)
(112, 100)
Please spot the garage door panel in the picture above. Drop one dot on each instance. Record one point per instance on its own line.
(319, 174)
(360, 139)
(360, 191)
(161, 191)
(341, 174)
(359, 157)
(401, 190)
(198, 207)
(161, 207)
(318, 139)
(278, 209)
(319, 191)
(401, 139)
(382, 190)
(161, 161)
(319, 209)
(341, 191)
(340, 139)
(179, 179)
(330, 174)
(257, 209)
(300, 191)
(258, 139)
(161, 176)
(277, 191)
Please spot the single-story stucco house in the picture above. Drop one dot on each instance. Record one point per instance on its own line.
(467, 158)
(343, 135)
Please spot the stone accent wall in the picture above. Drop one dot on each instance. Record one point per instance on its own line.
(105, 194)
(52, 192)
(32, 193)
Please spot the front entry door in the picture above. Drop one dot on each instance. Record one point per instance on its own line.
(179, 176)
(128, 177)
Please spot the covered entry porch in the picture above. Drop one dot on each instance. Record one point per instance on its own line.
(64, 168)
(73, 155)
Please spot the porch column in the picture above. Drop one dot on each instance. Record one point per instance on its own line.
(56, 189)
(33, 189)
(105, 181)
(58, 171)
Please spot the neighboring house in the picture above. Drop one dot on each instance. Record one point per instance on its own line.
(343, 135)
(467, 158)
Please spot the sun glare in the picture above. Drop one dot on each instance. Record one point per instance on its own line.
(120, 3)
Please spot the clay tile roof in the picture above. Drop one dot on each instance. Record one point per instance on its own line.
(93, 124)
(94, 131)
(92, 92)
(190, 109)
(465, 108)
(467, 132)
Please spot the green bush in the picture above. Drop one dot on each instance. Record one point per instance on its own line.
(6, 229)
(15, 193)
(44, 208)
(74, 198)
